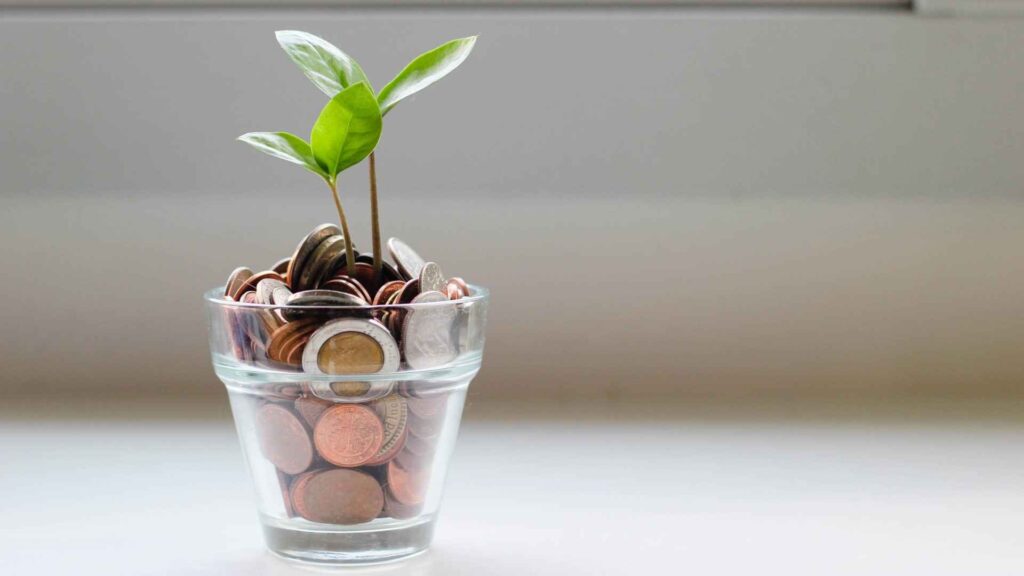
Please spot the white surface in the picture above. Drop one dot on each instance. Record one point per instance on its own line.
(810, 493)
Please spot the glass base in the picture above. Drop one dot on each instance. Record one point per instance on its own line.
(327, 547)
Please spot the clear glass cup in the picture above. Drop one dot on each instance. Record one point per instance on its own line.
(346, 434)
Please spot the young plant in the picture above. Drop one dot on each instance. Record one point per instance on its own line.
(333, 71)
(346, 131)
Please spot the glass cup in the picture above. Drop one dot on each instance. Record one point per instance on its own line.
(347, 417)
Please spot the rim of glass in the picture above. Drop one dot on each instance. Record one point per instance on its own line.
(216, 297)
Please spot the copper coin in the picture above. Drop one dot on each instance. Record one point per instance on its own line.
(253, 281)
(293, 356)
(284, 335)
(409, 291)
(363, 273)
(283, 439)
(394, 415)
(348, 435)
(347, 285)
(297, 492)
(305, 249)
(237, 277)
(395, 509)
(386, 291)
(339, 497)
(311, 408)
(387, 271)
(410, 460)
(408, 487)
(461, 284)
(281, 266)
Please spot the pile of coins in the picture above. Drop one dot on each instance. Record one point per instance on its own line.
(347, 452)
(323, 330)
(349, 463)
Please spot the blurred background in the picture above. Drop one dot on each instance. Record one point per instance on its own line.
(731, 207)
(665, 200)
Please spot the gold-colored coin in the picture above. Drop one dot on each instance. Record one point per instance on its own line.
(350, 353)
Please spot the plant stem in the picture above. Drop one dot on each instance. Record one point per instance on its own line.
(378, 256)
(350, 256)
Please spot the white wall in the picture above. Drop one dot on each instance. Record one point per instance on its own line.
(710, 202)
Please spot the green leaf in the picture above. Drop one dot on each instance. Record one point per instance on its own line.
(426, 69)
(284, 146)
(330, 69)
(347, 129)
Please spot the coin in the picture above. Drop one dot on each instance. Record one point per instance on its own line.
(323, 303)
(394, 415)
(408, 292)
(283, 439)
(461, 284)
(363, 273)
(348, 435)
(339, 497)
(281, 266)
(279, 296)
(293, 352)
(255, 279)
(351, 346)
(316, 266)
(409, 262)
(235, 281)
(347, 285)
(283, 336)
(311, 408)
(427, 333)
(297, 491)
(386, 291)
(265, 290)
(395, 509)
(407, 486)
(388, 272)
(304, 249)
(431, 278)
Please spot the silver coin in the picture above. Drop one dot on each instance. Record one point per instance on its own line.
(265, 290)
(427, 333)
(431, 278)
(409, 262)
(279, 296)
